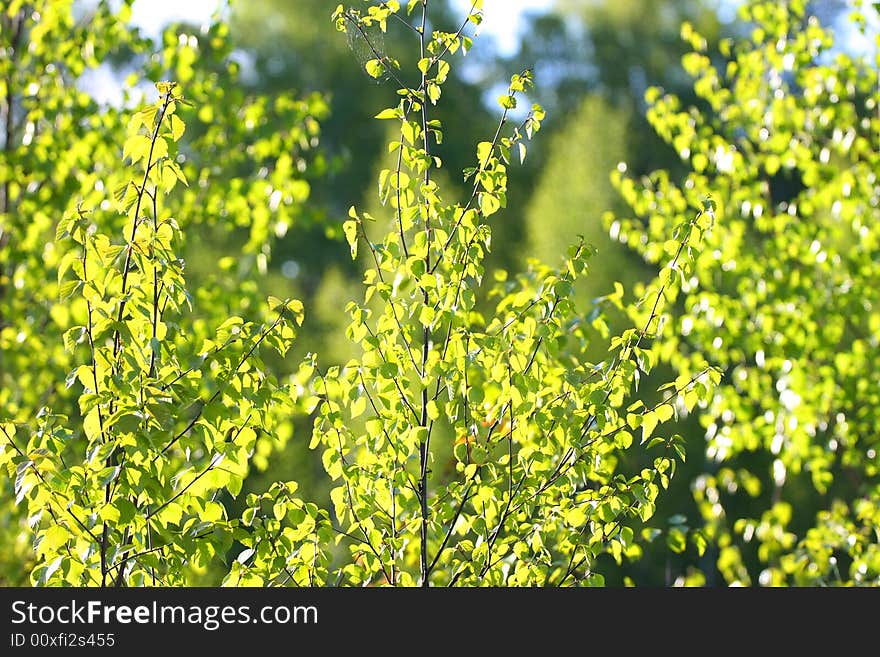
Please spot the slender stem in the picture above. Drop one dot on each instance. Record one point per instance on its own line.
(568, 460)
(482, 165)
(137, 210)
(189, 370)
(113, 458)
(290, 576)
(496, 533)
(452, 523)
(398, 168)
(393, 488)
(155, 314)
(630, 348)
(358, 523)
(89, 333)
(424, 446)
(214, 461)
(403, 22)
(393, 493)
(464, 23)
(394, 314)
(134, 557)
(349, 498)
(510, 431)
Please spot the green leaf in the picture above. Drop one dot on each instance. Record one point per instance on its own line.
(426, 316)
(358, 406)
(145, 117)
(177, 127)
(649, 423)
(160, 149)
(136, 148)
(109, 513)
(85, 376)
(576, 516)
(107, 475)
(72, 337)
(664, 412)
(375, 68)
(67, 289)
(484, 152)
(443, 69)
(390, 113)
(351, 236)
(126, 510)
(63, 228)
(489, 204)
(169, 178)
(52, 539)
(507, 102)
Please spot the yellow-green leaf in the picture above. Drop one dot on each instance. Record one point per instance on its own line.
(649, 423)
(136, 148)
(177, 127)
(390, 113)
(52, 539)
(350, 229)
(489, 204)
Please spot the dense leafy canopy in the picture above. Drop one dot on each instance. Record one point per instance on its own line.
(489, 426)
(783, 296)
(97, 202)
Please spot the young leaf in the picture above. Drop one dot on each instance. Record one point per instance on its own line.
(349, 228)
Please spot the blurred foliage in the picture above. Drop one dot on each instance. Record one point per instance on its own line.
(784, 297)
(574, 192)
(593, 63)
